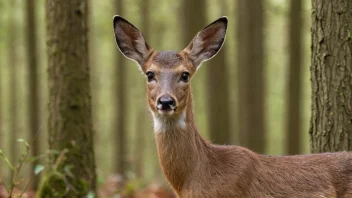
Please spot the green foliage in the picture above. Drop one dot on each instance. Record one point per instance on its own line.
(38, 168)
(53, 184)
(59, 181)
(91, 195)
(5, 159)
(59, 184)
(16, 168)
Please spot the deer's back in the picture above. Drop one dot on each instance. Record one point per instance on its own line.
(238, 172)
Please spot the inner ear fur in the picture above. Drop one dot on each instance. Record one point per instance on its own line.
(130, 40)
(207, 42)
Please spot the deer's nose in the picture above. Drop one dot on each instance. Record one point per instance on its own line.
(166, 103)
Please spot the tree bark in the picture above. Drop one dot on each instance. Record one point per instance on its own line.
(141, 124)
(218, 99)
(2, 142)
(13, 64)
(70, 117)
(193, 15)
(251, 74)
(293, 122)
(121, 118)
(2, 65)
(140, 142)
(33, 85)
(193, 19)
(331, 121)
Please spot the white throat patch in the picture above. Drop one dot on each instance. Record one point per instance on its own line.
(163, 125)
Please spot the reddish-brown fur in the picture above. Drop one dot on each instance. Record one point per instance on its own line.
(196, 168)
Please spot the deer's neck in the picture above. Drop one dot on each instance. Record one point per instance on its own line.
(181, 150)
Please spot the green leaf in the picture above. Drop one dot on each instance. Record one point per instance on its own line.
(91, 194)
(38, 168)
(68, 171)
(5, 159)
(23, 142)
(57, 152)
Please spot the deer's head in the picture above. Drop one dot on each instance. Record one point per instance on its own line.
(168, 74)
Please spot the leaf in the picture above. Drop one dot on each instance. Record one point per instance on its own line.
(57, 152)
(90, 194)
(24, 142)
(5, 159)
(68, 171)
(38, 168)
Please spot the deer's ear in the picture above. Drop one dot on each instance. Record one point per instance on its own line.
(130, 40)
(208, 42)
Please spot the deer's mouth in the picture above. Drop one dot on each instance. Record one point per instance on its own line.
(166, 110)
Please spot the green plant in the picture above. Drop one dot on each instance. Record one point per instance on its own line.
(16, 168)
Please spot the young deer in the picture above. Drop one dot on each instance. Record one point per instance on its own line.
(197, 168)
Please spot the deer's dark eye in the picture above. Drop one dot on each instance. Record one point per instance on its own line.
(184, 77)
(150, 76)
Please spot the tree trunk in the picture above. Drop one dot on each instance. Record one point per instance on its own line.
(13, 64)
(140, 149)
(192, 19)
(33, 86)
(218, 98)
(2, 65)
(121, 118)
(293, 122)
(251, 74)
(70, 117)
(330, 127)
(140, 142)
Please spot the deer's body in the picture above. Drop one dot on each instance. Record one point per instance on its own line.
(196, 168)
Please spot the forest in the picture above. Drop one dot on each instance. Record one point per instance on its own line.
(74, 114)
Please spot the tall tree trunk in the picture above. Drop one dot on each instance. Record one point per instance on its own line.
(218, 98)
(193, 18)
(141, 114)
(251, 74)
(330, 127)
(121, 122)
(94, 79)
(33, 86)
(70, 118)
(293, 122)
(140, 142)
(2, 65)
(13, 64)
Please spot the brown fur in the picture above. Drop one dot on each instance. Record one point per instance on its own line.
(196, 168)
(167, 59)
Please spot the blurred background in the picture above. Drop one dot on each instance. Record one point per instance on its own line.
(255, 93)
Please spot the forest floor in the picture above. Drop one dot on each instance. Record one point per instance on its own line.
(110, 189)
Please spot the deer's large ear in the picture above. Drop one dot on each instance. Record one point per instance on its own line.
(130, 40)
(208, 42)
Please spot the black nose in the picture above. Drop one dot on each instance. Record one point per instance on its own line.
(166, 103)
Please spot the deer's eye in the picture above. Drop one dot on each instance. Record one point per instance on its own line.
(184, 77)
(150, 76)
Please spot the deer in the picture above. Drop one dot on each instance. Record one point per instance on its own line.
(197, 168)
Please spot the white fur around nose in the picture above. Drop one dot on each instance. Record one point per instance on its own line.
(165, 125)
